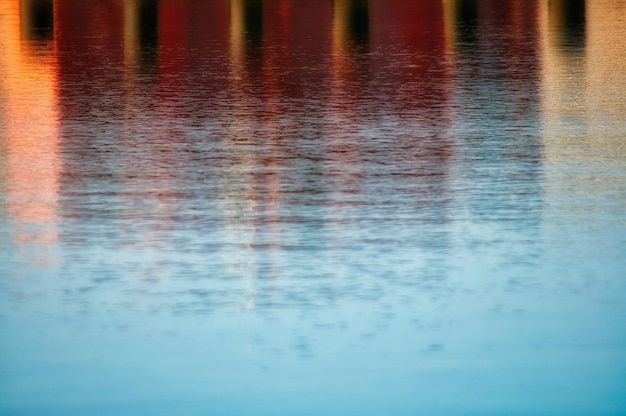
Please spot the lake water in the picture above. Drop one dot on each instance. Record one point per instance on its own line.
(307, 207)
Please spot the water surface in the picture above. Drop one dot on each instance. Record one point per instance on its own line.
(311, 207)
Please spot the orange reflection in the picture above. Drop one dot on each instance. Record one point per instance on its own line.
(31, 133)
(562, 74)
(606, 66)
(584, 68)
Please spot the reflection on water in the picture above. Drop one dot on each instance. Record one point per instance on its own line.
(501, 101)
(36, 19)
(30, 162)
(568, 20)
(356, 206)
(582, 121)
(351, 18)
(465, 20)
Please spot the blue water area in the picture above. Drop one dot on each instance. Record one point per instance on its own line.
(281, 207)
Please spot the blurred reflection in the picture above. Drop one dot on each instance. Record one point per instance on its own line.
(251, 180)
(351, 19)
(502, 56)
(350, 79)
(563, 99)
(89, 42)
(465, 20)
(247, 29)
(373, 173)
(567, 21)
(409, 58)
(606, 66)
(246, 36)
(29, 131)
(37, 19)
(350, 39)
(342, 173)
(100, 58)
(413, 90)
(582, 106)
(496, 61)
(147, 25)
(341, 95)
(140, 33)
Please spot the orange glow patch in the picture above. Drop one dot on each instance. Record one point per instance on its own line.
(30, 134)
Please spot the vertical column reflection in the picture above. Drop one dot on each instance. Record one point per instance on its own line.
(30, 133)
(351, 21)
(37, 19)
(606, 113)
(244, 202)
(411, 67)
(140, 36)
(246, 29)
(496, 61)
(567, 23)
(583, 125)
(606, 67)
(347, 113)
(563, 71)
(89, 39)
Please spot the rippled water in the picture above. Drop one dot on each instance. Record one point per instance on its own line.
(286, 207)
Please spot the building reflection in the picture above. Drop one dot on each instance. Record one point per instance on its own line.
(350, 37)
(409, 59)
(37, 19)
(350, 44)
(89, 114)
(606, 69)
(582, 97)
(347, 98)
(562, 61)
(234, 69)
(464, 17)
(246, 35)
(246, 175)
(30, 134)
(247, 22)
(268, 81)
(567, 23)
(419, 117)
(140, 35)
(351, 21)
(275, 81)
(495, 54)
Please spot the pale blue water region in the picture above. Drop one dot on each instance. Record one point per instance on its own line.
(312, 208)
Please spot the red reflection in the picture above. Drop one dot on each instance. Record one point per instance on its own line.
(410, 58)
(504, 34)
(272, 72)
(415, 29)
